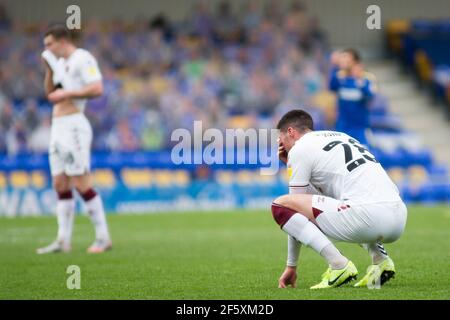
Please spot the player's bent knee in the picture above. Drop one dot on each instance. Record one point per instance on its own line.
(280, 200)
(281, 214)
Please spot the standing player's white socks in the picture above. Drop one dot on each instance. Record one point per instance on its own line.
(65, 212)
(299, 227)
(96, 212)
(376, 251)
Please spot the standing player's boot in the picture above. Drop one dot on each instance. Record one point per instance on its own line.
(54, 247)
(337, 277)
(378, 274)
(100, 246)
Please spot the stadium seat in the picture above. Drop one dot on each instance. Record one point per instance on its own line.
(19, 179)
(162, 178)
(38, 179)
(244, 177)
(224, 177)
(104, 178)
(181, 178)
(397, 175)
(3, 181)
(136, 178)
(395, 29)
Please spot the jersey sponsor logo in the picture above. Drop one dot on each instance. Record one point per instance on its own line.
(289, 172)
(92, 71)
(351, 94)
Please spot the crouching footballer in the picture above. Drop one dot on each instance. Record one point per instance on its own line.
(337, 192)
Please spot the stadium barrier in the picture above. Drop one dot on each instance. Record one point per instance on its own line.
(146, 182)
(140, 183)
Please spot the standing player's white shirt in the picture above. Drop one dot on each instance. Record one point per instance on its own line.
(77, 71)
(340, 168)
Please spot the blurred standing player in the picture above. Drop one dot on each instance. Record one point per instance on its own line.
(72, 76)
(357, 202)
(354, 88)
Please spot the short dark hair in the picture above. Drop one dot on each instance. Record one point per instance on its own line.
(298, 119)
(354, 53)
(60, 31)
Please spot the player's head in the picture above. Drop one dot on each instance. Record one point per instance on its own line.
(293, 125)
(349, 58)
(58, 39)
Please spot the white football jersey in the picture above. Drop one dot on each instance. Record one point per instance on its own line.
(77, 71)
(339, 167)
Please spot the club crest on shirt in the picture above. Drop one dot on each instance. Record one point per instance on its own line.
(289, 172)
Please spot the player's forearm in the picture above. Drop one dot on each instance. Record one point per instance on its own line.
(48, 82)
(293, 251)
(89, 91)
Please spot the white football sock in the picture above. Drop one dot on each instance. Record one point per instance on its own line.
(65, 212)
(376, 251)
(98, 218)
(334, 257)
(299, 227)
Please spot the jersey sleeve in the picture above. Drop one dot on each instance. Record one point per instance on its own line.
(370, 85)
(89, 69)
(300, 163)
(333, 83)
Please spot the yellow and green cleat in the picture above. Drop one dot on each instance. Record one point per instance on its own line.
(335, 278)
(378, 274)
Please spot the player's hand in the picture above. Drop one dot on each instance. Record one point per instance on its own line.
(289, 277)
(282, 153)
(58, 96)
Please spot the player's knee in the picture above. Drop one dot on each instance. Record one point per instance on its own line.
(61, 186)
(281, 214)
(87, 194)
(282, 201)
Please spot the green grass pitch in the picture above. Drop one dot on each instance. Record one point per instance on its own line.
(223, 255)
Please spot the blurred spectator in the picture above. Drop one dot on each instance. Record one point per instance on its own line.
(5, 20)
(31, 116)
(40, 137)
(158, 75)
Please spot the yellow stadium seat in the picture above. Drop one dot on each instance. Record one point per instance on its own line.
(245, 177)
(181, 178)
(136, 178)
(396, 174)
(423, 65)
(3, 182)
(38, 179)
(240, 122)
(224, 177)
(394, 30)
(19, 179)
(104, 178)
(417, 175)
(163, 178)
(265, 179)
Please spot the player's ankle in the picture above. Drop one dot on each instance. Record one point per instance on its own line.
(379, 260)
